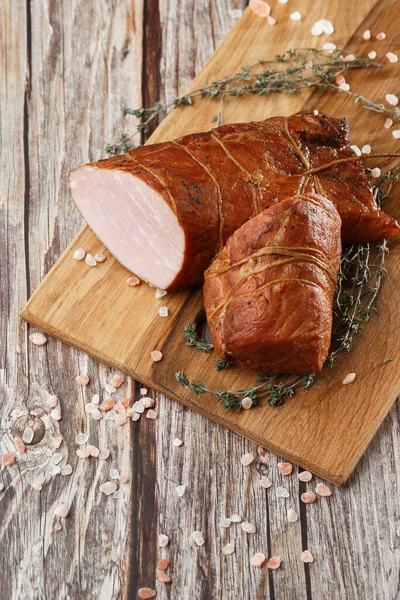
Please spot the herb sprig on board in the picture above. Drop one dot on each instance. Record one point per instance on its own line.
(360, 277)
(293, 71)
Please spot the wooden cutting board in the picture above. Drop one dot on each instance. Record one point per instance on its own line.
(326, 428)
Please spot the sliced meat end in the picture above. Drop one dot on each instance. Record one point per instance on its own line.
(133, 221)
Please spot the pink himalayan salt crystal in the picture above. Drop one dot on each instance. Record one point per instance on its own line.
(146, 593)
(117, 380)
(89, 260)
(19, 445)
(57, 527)
(372, 54)
(340, 79)
(381, 36)
(198, 538)
(82, 379)
(296, 16)
(93, 451)
(388, 123)
(265, 482)
(108, 487)
(271, 20)
(163, 540)
(163, 564)
(247, 403)
(247, 459)
(79, 254)
(292, 516)
(392, 99)
(344, 87)
(107, 405)
(274, 562)
(83, 453)
(148, 402)
(121, 420)
(258, 559)
(260, 8)
(306, 557)
(62, 511)
(119, 408)
(151, 414)
(228, 549)
(8, 459)
(133, 281)
(349, 378)
(156, 355)
(323, 490)
(163, 577)
(308, 497)
(248, 527)
(123, 478)
(367, 35)
(348, 58)
(99, 258)
(393, 58)
(376, 172)
(285, 468)
(38, 339)
(304, 476)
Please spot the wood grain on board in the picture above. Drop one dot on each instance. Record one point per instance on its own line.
(324, 429)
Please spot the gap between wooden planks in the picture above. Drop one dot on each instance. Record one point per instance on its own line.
(324, 429)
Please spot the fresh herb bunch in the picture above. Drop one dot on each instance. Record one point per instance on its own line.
(361, 272)
(296, 69)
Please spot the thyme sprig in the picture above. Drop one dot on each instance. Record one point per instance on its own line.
(360, 277)
(290, 72)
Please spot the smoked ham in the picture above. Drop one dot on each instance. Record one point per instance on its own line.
(268, 294)
(165, 210)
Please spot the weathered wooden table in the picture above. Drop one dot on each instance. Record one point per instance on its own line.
(66, 68)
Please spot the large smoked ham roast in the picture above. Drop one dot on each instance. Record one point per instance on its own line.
(268, 294)
(165, 210)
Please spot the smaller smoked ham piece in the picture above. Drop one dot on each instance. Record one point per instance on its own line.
(268, 294)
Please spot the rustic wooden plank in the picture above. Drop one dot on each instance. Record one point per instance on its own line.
(80, 61)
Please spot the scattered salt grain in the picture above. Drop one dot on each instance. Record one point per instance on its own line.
(292, 516)
(133, 281)
(114, 473)
(265, 482)
(8, 459)
(322, 26)
(247, 403)
(57, 527)
(96, 399)
(79, 254)
(54, 470)
(123, 478)
(117, 380)
(110, 389)
(366, 149)
(396, 134)
(323, 490)
(89, 408)
(83, 453)
(344, 87)
(177, 442)
(248, 527)
(198, 538)
(271, 20)
(56, 413)
(107, 405)
(316, 113)
(274, 562)
(163, 577)
(52, 401)
(306, 557)
(19, 445)
(156, 355)
(283, 1)
(392, 99)
(296, 16)
(99, 258)
(120, 408)
(28, 435)
(62, 511)
(136, 417)
(393, 58)
(228, 549)
(81, 438)
(304, 476)
(356, 150)
(109, 487)
(372, 54)
(148, 402)
(104, 454)
(367, 35)
(160, 293)
(247, 459)
(93, 451)
(381, 36)
(146, 593)
(329, 46)
(90, 261)
(118, 494)
(37, 484)
(143, 391)
(111, 415)
(235, 518)
(349, 378)
(224, 522)
(38, 339)
(285, 468)
(388, 123)
(151, 414)
(258, 559)
(163, 540)
(163, 311)
(260, 8)
(82, 379)
(180, 490)
(67, 470)
(138, 406)
(163, 564)
(121, 420)
(376, 172)
(281, 492)
(308, 497)
(96, 414)
(56, 458)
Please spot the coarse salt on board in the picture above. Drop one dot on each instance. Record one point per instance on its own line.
(265, 482)
(258, 559)
(296, 16)
(146, 593)
(151, 414)
(367, 35)
(163, 540)
(90, 261)
(381, 36)
(392, 99)
(285, 468)
(224, 522)
(308, 497)
(8, 459)
(67, 470)
(393, 58)
(180, 490)
(304, 476)
(306, 557)
(28, 435)
(281, 492)
(163, 577)
(19, 445)
(147, 402)
(163, 564)
(274, 562)
(329, 46)
(160, 293)
(356, 150)
(366, 149)
(123, 478)
(349, 378)
(117, 380)
(292, 516)
(388, 123)
(109, 487)
(198, 538)
(133, 281)
(376, 172)
(248, 527)
(322, 26)
(344, 87)
(247, 403)
(156, 355)
(79, 254)
(83, 453)
(99, 258)
(163, 311)
(396, 134)
(372, 54)
(93, 451)
(82, 379)
(235, 518)
(260, 8)
(62, 511)
(38, 339)
(107, 405)
(57, 527)
(323, 490)
(228, 549)
(247, 459)
(81, 438)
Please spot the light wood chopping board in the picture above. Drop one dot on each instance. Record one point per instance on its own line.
(324, 429)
